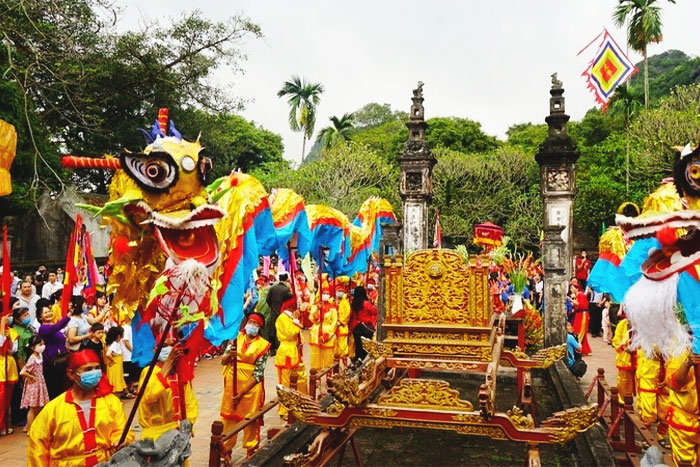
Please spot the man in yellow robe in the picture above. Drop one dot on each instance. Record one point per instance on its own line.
(652, 394)
(288, 357)
(625, 359)
(342, 331)
(82, 426)
(683, 412)
(324, 317)
(251, 358)
(167, 399)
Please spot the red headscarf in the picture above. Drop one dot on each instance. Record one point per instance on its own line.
(83, 357)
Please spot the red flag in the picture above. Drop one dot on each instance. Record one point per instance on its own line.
(437, 242)
(71, 274)
(6, 283)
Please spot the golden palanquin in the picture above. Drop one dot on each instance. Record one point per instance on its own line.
(438, 308)
(437, 317)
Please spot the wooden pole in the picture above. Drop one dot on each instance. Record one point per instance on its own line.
(234, 349)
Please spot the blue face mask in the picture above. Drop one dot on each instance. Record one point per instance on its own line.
(251, 329)
(164, 353)
(26, 321)
(89, 379)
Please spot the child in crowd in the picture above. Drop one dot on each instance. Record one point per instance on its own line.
(115, 361)
(35, 395)
(95, 342)
(607, 327)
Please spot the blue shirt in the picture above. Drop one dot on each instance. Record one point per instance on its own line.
(571, 346)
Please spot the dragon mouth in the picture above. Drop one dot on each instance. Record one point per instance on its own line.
(675, 258)
(187, 234)
(648, 226)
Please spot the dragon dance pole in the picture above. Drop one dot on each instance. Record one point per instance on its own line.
(154, 360)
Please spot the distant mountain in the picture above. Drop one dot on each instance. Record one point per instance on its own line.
(667, 70)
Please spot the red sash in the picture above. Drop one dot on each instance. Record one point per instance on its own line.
(88, 428)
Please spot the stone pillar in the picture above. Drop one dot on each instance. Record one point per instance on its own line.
(557, 160)
(556, 285)
(416, 188)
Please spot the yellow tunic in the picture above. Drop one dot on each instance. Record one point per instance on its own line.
(342, 332)
(287, 359)
(652, 394)
(11, 363)
(159, 411)
(248, 352)
(624, 361)
(56, 436)
(115, 372)
(322, 335)
(683, 414)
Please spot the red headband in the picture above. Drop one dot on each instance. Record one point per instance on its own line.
(257, 319)
(82, 357)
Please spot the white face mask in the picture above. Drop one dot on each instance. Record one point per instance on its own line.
(325, 297)
(370, 286)
(40, 348)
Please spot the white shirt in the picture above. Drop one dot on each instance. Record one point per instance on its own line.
(539, 286)
(127, 337)
(115, 347)
(29, 303)
(49, 289)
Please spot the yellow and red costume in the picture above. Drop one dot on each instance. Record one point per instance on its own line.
(322, 335)
(166, 401)
(251, 355)
(652, 394)
(683, 414)
(63, 435)
(288, 359)
(7, 378)
(626, 362)
(342, 332)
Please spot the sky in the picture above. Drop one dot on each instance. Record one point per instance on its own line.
(488, 61)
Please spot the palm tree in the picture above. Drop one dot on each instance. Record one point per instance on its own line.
(339, 131)
(303, 98)
(627, 103)
(643, 18)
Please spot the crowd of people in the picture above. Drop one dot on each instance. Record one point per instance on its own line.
(54, 363)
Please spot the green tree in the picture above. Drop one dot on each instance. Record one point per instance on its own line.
(373, 114)
(458, 134)
(339, 131)
(303, 97)
(90, 87)
(643, 18)
(526, 136)
(343, 178)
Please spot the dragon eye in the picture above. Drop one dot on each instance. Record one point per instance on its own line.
(188, 164)
(694, 170)
(154, 172)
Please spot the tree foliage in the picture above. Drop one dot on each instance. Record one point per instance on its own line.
(338, 132)
(303, 98)
(86, 88)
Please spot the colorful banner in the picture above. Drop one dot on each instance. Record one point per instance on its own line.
(290, 219)
(608, 69)
(329, 228)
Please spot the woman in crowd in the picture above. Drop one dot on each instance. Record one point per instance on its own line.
(581, 318)
(55, 340)
(99, 313)
(78, 326)
(364, 320)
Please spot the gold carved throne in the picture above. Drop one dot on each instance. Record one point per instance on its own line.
(438, 312)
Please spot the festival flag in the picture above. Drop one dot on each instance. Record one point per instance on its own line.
(437, 240)
(6, 282)
(71, 275)
(608, 69)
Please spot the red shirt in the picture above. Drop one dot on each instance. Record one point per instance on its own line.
(582, 302)
(367, 315)
(583, 266)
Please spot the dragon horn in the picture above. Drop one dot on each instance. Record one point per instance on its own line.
(77, 162)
